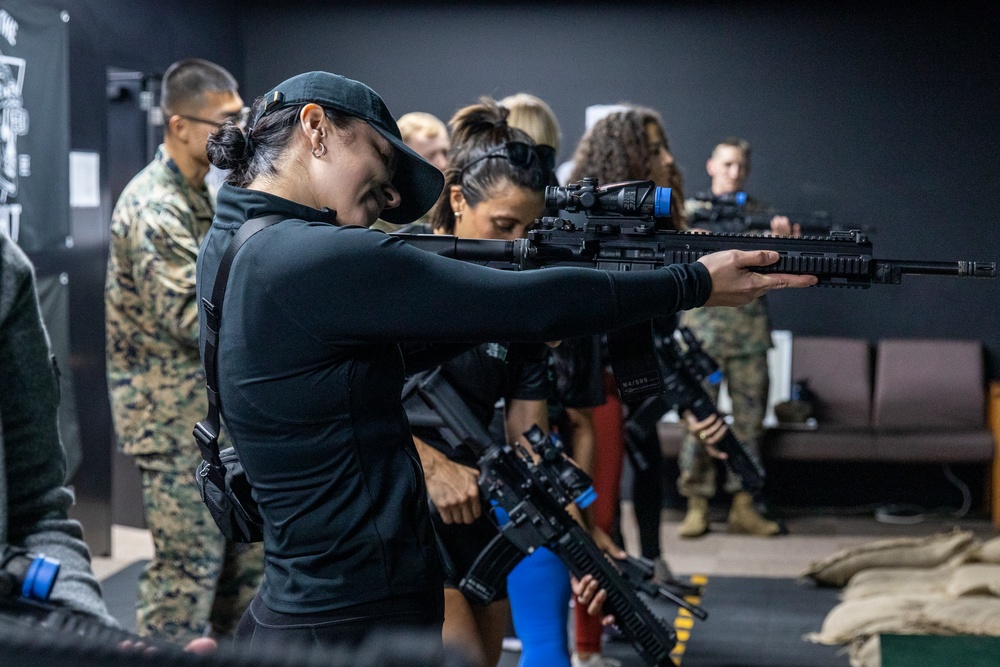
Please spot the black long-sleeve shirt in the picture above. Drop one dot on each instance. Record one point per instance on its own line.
(310, 377)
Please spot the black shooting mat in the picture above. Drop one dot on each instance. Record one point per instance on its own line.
(752, 622)
(120, 590)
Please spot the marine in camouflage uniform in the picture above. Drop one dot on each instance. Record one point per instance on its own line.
(738, 339)
(197, 579)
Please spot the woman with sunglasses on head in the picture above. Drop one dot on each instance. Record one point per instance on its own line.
(309, 361)
(494, 189)
(539, 586)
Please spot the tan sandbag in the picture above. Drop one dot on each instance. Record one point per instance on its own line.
(836, 570)
(898, 581)
(856, 619)
(987, 552)
(974, 579)
(866, 652)
(971, 615)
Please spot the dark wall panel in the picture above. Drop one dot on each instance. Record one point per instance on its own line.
(882, 115)
(885, 115)
(143, 36)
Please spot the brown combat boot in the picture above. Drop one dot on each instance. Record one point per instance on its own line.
(744, 518)
(695, 522)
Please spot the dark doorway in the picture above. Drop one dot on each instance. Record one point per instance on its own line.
(135, 130)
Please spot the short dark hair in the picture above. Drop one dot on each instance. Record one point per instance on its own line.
(741, 144)
(186, 82)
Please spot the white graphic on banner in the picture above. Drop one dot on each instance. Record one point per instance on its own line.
(13, 124)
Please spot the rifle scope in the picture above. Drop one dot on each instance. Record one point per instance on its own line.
(641, 198)
(574, 482)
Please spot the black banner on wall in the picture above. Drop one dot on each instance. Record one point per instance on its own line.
(34, 125)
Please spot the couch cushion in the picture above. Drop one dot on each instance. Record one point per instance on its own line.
(926, 385)
(827, 443)
(838, 371)
(924, 446)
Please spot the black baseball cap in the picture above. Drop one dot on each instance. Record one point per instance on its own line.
(418, 181)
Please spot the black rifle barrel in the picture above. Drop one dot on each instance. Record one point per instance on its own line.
(467, 250)
(841, 259)
(968, 269)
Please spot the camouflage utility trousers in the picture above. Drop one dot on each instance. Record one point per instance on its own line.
(747, 383)
(198, 582)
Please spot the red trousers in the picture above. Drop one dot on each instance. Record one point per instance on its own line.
(609, 449)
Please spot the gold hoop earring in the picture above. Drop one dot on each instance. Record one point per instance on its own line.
(319, 152)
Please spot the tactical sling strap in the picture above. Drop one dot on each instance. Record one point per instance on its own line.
(230, 502)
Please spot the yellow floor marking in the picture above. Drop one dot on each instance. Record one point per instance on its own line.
(684, 622)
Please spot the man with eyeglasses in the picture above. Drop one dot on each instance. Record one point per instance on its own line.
(197, 583)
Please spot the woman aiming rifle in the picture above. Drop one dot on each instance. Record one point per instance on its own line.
(310, 368)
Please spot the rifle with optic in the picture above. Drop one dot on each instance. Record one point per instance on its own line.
(625, 227)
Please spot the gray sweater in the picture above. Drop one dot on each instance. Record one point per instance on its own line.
(33, 496)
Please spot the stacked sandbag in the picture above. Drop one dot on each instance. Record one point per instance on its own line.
(866, 652)
(922, 552)
(891, 581)
(987, 552)
(974, 579)
(945, 584)
(970, 615)
(855, 619)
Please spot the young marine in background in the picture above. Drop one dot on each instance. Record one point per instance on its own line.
(738, 339)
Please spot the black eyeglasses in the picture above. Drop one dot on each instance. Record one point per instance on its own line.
(239, 119)
(520, 155)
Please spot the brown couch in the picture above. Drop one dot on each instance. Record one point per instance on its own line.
(925, 401)
(909, 400)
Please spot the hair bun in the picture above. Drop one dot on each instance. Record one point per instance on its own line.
(229, 148)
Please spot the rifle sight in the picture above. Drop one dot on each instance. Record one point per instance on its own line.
(635, 198)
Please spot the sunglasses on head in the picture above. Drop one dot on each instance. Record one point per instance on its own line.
(519, 154)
